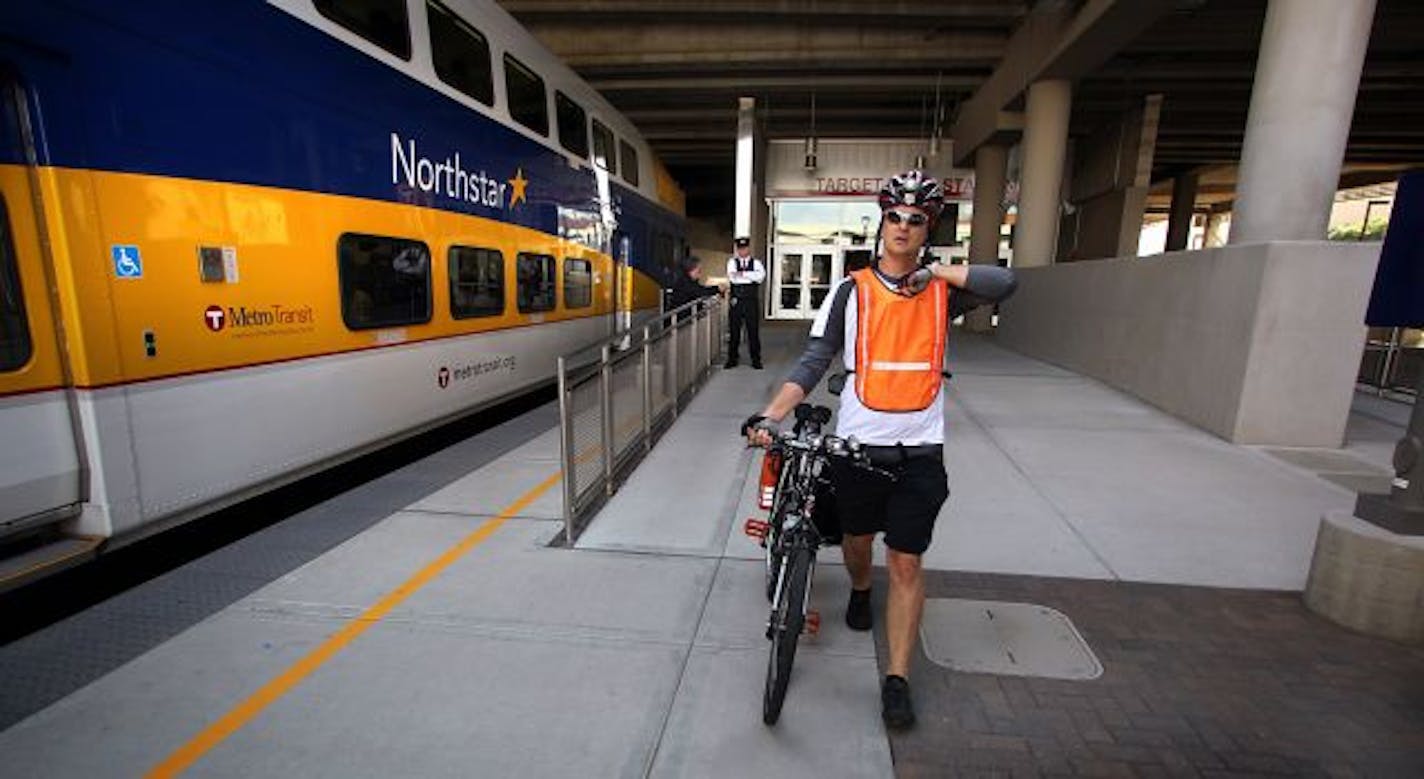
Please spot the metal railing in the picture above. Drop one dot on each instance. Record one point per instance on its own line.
(1392, 360)
(616, 399)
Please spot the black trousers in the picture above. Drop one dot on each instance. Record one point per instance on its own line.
(746, 311)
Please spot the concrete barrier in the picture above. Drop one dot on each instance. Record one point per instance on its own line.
(1366, 578)
(1259, 343)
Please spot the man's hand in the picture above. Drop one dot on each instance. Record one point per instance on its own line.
(759, 430)
(916, 282)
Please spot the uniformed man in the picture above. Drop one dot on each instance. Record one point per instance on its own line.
(746, 274)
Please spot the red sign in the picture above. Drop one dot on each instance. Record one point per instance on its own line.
(214, 317)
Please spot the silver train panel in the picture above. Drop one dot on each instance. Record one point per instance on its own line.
(39, 468)
(197, 439)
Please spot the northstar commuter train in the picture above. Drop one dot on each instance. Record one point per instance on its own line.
(241, 241)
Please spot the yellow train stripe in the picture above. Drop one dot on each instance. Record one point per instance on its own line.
(286, 300)
(188, 754)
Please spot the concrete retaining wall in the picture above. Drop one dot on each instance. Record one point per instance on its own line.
(1258, 343)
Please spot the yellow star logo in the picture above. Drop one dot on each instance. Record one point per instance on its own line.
(516, 187)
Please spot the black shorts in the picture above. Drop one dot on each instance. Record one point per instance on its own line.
(904, 509)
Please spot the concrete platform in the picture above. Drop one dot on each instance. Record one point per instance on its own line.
(447, 638)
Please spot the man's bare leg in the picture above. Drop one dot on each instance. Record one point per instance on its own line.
(905, 604)
(856, 552)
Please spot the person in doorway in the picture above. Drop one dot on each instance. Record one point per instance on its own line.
(891, 322)
(746, 273)
(688, 286)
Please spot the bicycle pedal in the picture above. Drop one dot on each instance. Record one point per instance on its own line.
(813, 622)
(756, 528)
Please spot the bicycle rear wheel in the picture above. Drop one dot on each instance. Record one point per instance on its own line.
(787, 619)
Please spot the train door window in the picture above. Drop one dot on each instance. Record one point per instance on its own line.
(385, 282)
(14, 330)
(461, 53)
(525, 91)
(603, 150)
(536, 282)
(663, 252)
(573, 124)
(382, 22)
(629, 163)
(476, 282)
(578, 283)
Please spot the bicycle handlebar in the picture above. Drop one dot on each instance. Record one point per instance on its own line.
(830, 446)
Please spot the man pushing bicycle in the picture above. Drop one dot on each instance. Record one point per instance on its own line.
(891, 322)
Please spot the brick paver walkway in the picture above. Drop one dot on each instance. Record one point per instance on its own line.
(1197, 682)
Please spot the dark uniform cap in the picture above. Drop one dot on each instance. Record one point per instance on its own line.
(740, 242)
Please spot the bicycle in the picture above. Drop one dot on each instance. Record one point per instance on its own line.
(791, 539)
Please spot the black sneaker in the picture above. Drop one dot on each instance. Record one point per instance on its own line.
(895, 706)
(756, 364)
(730, 364)
(858, 610)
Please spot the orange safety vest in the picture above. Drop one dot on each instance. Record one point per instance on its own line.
(899, 344)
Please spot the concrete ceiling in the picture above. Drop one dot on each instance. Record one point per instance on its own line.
(879, 69)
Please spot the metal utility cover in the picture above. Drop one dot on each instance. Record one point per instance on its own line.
(1014, 639)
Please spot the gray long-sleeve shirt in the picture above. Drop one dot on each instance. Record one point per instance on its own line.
(986, 284)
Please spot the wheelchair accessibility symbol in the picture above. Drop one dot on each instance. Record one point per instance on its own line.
(128, 264)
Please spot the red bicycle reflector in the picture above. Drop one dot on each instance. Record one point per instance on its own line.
(813, 622)
(756, 528)
(770, 472)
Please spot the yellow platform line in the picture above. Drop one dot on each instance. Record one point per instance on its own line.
(188, 754)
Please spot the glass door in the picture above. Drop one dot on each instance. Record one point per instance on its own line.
(802, 277)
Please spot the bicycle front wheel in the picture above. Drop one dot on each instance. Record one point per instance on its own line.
(788, 617)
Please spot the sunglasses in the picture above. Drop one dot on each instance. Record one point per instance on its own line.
(914, 219)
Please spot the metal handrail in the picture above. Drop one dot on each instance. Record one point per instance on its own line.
(704, 319)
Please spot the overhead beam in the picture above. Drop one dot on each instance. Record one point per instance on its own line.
(744, 83)
(1055, 43)
(584, 44)
(958, 12)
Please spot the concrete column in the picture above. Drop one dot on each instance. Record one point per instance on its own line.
(990, 170)
(1112, 170)
(1184, 202)
(1307, 75)
(1045, 145)
(746, 146)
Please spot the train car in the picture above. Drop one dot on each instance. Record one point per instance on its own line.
(241, 241)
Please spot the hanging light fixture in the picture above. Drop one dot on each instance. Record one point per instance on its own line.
(810, 162)
(938, 120)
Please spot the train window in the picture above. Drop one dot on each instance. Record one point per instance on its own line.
(385, 282)
(536, 282)
(578, 283)
(525, 92)
(14, 330)
(382, 22)
(629, 162)
(573, 124)
(663, 251)
(461, 53)
(476, 282)
(603, 148)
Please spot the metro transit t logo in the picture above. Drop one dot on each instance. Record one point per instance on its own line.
(214, 317)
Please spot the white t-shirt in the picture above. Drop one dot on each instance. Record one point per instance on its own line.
(878, 428)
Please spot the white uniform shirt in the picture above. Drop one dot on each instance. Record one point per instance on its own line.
(738, 277)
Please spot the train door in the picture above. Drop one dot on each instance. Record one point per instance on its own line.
(40, 464)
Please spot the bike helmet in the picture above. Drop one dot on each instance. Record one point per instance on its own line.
(913, 188)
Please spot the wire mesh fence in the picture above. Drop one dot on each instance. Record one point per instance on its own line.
(586, 433)
(612, 410)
